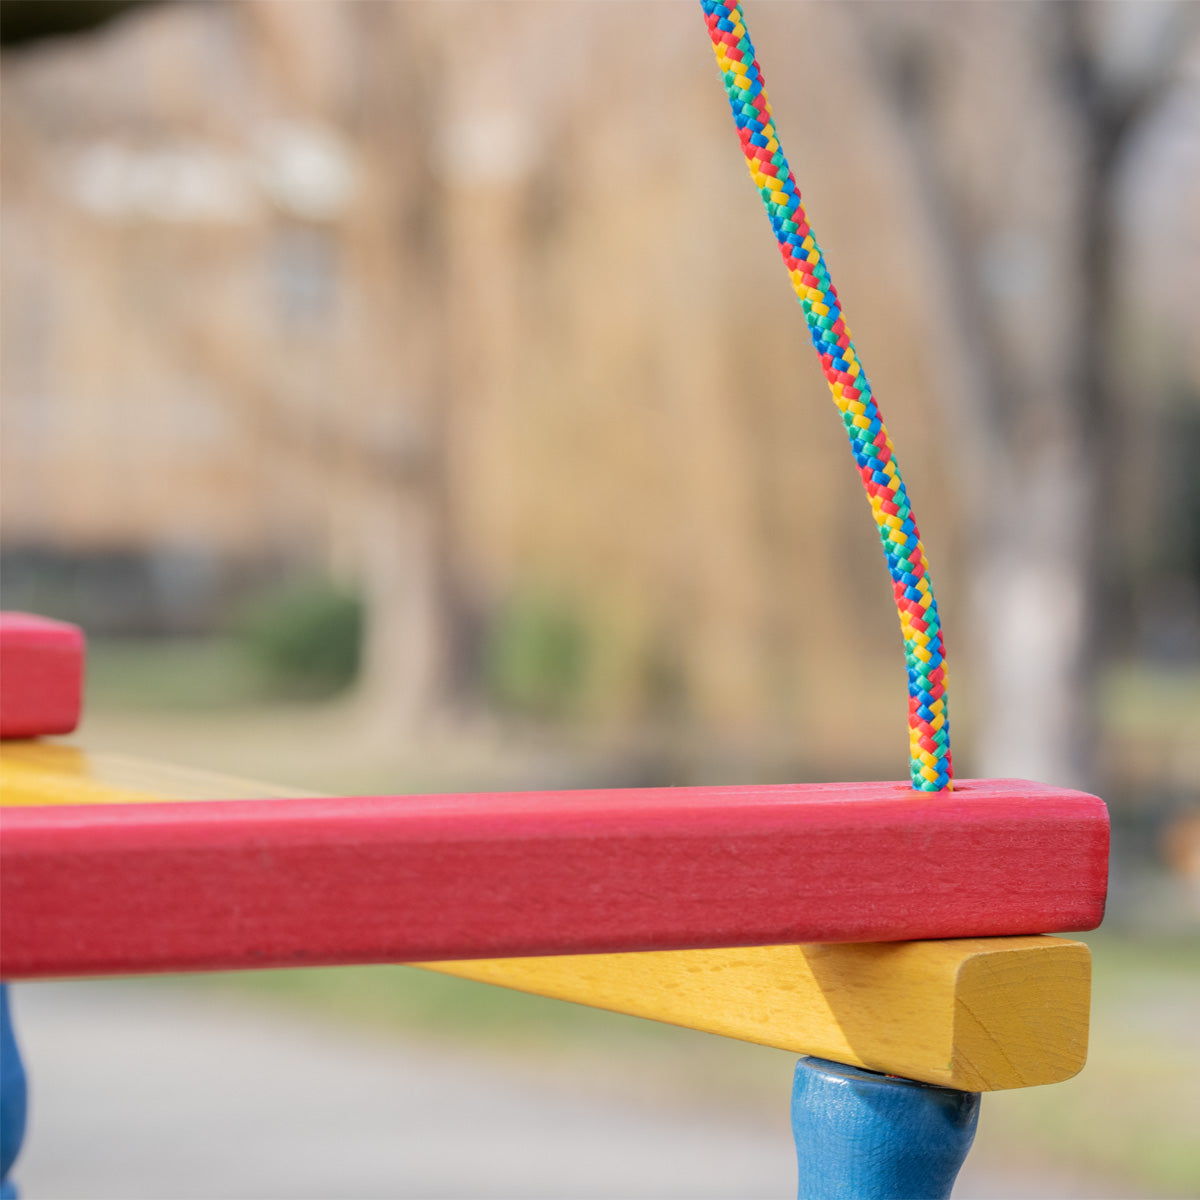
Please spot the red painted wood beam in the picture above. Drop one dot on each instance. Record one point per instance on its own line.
(115, 889)
(41, 675)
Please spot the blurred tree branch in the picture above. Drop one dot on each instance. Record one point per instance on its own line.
(25, 21)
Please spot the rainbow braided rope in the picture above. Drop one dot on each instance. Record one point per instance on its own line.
(928, 719)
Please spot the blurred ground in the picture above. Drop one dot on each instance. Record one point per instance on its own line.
(154, 1095)
(181, 1089)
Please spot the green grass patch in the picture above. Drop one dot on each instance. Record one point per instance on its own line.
(296, 643)
(1141, 700)
(200, 675)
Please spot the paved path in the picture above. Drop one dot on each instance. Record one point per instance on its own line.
(159, 1093)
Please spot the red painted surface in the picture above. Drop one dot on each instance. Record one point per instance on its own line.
(41, 675)
(192, 886)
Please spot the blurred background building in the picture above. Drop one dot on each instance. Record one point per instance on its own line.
(421, 378)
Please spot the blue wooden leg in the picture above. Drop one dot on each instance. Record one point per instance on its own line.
(13, 1094)
(863, 1136)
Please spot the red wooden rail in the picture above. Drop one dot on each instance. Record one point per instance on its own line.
(125, 888)
(41, 675)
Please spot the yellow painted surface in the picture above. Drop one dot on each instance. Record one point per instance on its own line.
(980, 1014)
(36, 773)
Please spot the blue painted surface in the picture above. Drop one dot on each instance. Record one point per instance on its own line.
(13, 1098)
(864, 1136)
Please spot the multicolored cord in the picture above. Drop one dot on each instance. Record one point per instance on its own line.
(928, 719)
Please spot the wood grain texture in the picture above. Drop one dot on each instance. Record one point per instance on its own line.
(979, 1014)
(862, 1136)
(41, 675)
(133, 887)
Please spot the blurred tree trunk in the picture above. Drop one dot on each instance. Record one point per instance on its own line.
(395, 512)
(1017, 133)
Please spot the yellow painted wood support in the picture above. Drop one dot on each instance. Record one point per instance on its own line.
(978, 1014)
(35, 773)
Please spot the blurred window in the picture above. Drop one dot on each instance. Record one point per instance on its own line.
(303, 268)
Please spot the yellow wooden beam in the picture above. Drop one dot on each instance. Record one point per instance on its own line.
(36, 773)
(979, 1014)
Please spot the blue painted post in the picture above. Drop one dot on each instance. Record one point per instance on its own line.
(13, 1096)
(863, 1136)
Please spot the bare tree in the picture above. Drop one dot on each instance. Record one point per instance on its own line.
(1018, 119)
